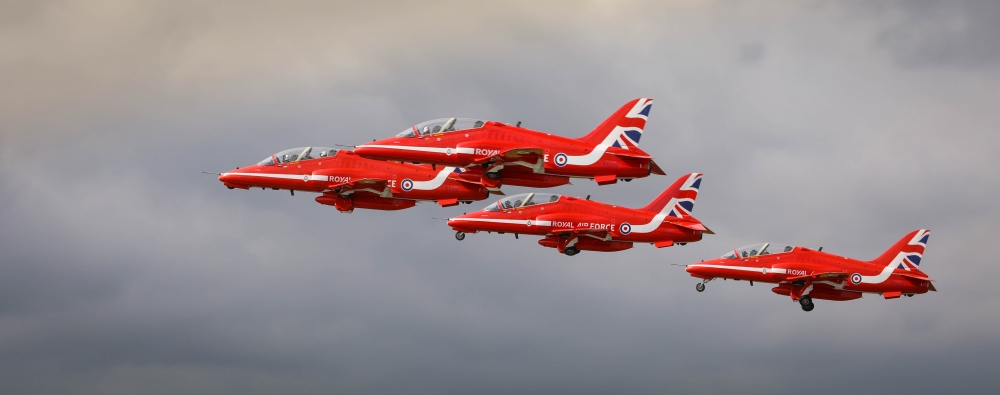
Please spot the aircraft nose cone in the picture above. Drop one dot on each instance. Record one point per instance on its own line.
(227, 177)
(695, 269)
(456, 220)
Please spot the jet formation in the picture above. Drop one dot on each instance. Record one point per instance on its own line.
(462, 160)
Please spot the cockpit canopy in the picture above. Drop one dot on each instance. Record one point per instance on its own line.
(521, 201)
(758, 249)
(442, 125)
(298, 154)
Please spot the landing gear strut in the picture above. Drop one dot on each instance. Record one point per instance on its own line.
(700, 287)
(460, 235)
(807, 303)
(570, 251)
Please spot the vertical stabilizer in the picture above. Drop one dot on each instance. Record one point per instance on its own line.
(623, 129)
(678, 199)
(906, 253)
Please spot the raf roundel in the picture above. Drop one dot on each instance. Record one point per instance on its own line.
(625, 228)
(560, 159)
(856, 278)
(406, 185)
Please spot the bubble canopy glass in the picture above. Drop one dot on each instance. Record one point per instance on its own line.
(758, 250)
(521, 201)
(298, 154)
(442, 125)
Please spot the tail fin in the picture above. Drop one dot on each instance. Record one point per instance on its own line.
(623, 128)
(678, 199)
(907, 252)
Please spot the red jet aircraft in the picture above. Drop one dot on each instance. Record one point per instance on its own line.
(571, 224)
(516, 156)
(805, 274)
(347, 181)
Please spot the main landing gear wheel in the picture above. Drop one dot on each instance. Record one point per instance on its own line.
(492, 174)
(570, 251)
(807, 303)
(700, 287)
(459, 235)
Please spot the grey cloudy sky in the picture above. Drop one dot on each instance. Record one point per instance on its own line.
(835, 124)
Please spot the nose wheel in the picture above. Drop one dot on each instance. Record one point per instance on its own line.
(807, 303)
(570, 251)
(460, 235)
(700, 287)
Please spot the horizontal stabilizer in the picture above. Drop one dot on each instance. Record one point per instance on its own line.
(915, 276)
(634, 154)
(691, 223)
(655, 169)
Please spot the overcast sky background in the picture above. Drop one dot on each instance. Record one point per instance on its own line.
(123, 269)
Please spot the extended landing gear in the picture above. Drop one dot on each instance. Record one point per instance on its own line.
(570, 251)
(700, 287)
(807, 303)
(460, 235)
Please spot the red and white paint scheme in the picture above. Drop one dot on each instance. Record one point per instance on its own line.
(572, 224)
(516, 156)
(347, 181)
(806, 274)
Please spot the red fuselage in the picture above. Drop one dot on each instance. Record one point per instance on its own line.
(470, 147)
(346, 181)
(568, 222)
(831, 277)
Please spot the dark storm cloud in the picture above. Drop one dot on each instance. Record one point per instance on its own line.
(125, 270)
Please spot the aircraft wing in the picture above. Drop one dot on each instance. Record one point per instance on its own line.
(518, 153)
(373, 185)
(512, 154)
(600, 234)
(820, 276)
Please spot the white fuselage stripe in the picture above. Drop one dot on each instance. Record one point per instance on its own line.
(423, 149)
(742, 268)
(435, 182)
(281, 176)
(506, 221)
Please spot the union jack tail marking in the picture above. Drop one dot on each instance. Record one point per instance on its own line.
(623, 129)
(907, 252)
(677, 200)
